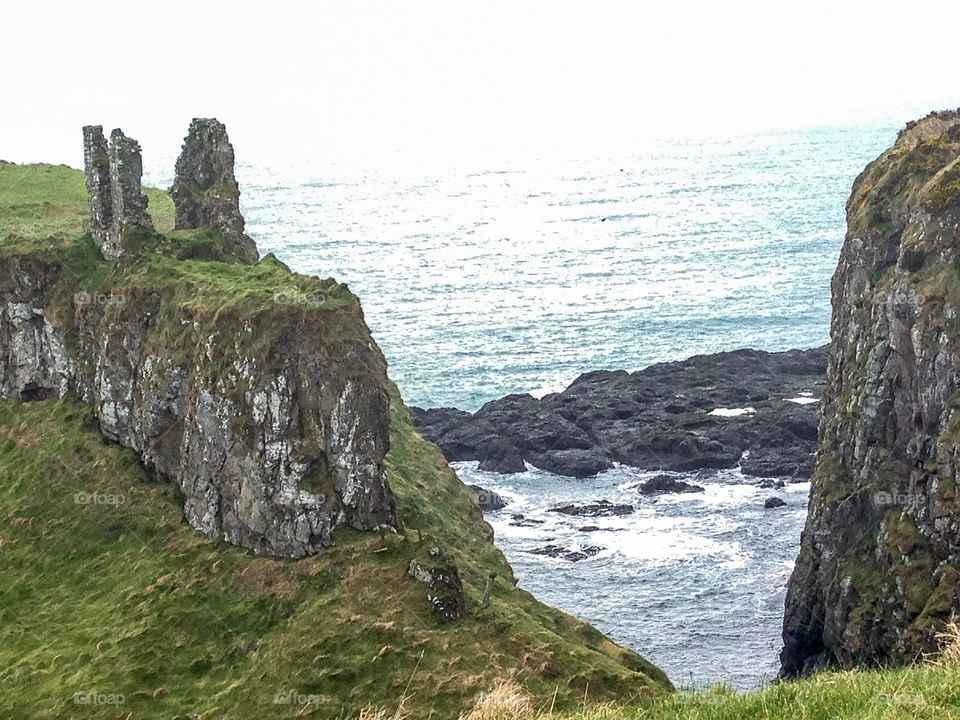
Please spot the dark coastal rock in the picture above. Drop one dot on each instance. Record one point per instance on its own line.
(488, 500)
(447, 598)
(562, 553)
(662, 484)
(577, 463)
(118, 207)
(205, 191)
(658, 418)
(601, 508)
(595, 528)
(878, 573)
(520, 520)
(774, 502)
(769, 484)
(503, 458)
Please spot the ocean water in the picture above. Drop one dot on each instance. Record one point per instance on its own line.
(519, 276)
(489, 278)
(695, 582)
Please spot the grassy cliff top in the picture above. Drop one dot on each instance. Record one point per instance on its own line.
(920, 172)
(43, 205)
(44, 215)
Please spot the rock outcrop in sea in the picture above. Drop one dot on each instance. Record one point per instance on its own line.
(271, 415)
(747, 407)
(878, 574)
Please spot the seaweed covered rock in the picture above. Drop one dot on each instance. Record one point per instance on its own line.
(205, 190)
(877, 574)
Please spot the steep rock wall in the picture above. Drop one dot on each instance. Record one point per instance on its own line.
(272, 417)
(877, 574)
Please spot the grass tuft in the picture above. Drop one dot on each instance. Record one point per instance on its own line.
(507, 701)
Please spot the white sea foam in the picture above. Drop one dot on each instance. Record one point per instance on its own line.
(732, 412)
(802, 400)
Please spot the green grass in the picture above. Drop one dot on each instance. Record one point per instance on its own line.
(919, 693)
(126, 599)
(47, 204)
(41, 203)
(123, 600)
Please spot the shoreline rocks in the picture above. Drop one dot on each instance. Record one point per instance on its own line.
(559, 552)
(601, 508)
(487, 500)
(665, 484)
(676, 416)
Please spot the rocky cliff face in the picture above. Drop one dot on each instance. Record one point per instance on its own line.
(878, 570)
(273, 422)
(258, 392)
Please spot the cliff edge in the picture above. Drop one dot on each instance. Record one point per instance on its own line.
(160, 381)
(877, 574)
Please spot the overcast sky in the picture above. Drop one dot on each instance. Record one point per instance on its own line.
(454, 79)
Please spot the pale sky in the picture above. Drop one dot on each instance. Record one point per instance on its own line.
(451, 79)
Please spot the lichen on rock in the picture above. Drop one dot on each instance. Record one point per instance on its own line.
(875, 579)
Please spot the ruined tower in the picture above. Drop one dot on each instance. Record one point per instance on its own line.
(118, 207)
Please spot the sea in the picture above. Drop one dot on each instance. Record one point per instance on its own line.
(490, 277)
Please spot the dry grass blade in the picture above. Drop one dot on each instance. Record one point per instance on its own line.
(507, 701)
(949, 655)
